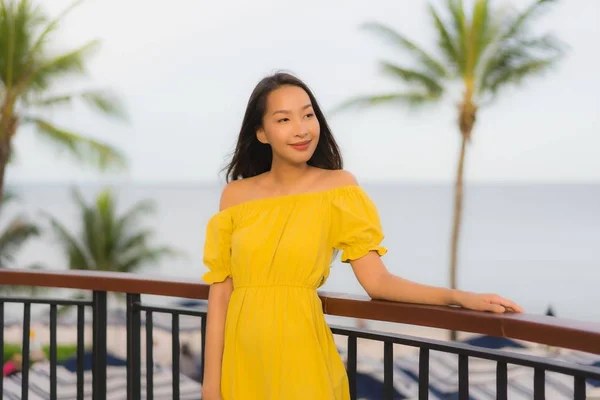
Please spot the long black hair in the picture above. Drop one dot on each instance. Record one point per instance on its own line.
(252, 157)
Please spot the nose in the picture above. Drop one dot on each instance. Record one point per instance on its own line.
(301, 130)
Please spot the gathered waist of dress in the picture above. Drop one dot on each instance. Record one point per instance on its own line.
(275, 285)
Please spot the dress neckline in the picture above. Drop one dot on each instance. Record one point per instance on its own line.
(289, 197)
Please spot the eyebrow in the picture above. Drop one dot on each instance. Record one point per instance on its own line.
(288, 111)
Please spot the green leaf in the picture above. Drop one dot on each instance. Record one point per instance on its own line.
(68, 64)
(422, 79)
(445, 40)
(105, 102)
(519, 59)
(480, 33)
(523, 21)
(135, 241)
(49, 29)
(100, 100)
(18, 231)
(78, 257)
(430, 63)
(107, 240)
(414, 99)
(7, 198)
(84, 149)
(516, 74)
(146, 257)
(459, 21)
(131, 217)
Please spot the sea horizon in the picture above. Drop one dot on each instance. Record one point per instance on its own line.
(514, 235)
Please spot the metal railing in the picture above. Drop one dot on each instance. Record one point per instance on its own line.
(545, 330)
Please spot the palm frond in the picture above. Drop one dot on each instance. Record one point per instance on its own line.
(70, 63)
(445, 40)
(27, 19)
(459, 21)
(7, 40)
(411, 99)
(101, 100)
(433, 66)
(65, 99)
(126, 226)
(529, 55)
(422, 79)
(105, 102)
(135, 241)
(480, 35)
(8, 197)
(146, 257)
(139, 209)
(515, 75)
(546, 44)
(108, 241)
(18, 231)
(19, 21)
(106, 212)
(93, 236)
(84, 149)
(78, 257)
(522, 21)
(48, 30)
(12, 154)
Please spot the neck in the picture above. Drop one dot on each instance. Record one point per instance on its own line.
(286, 176)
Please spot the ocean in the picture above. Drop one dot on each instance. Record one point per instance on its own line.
(538, 244)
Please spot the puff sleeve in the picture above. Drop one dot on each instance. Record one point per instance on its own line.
(356, 225)
(217, 248)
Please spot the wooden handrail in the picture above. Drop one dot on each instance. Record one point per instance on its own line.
(565, 333)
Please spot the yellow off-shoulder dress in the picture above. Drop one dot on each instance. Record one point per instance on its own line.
(278, 251)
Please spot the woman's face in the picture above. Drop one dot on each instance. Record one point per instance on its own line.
(290, 125)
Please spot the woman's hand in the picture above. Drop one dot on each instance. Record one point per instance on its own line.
(487, 302)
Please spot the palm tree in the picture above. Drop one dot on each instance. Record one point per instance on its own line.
(30, 69)
(108, 241)
(18, 231)
(483, 51)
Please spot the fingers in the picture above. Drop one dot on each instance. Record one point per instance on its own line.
(496, 308)
(507, 304)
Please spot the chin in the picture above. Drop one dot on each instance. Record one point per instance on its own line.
(298, 161)
(301, 158)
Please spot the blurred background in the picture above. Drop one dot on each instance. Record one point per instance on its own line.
(183, 71)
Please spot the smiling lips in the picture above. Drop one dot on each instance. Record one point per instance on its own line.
(301, 146)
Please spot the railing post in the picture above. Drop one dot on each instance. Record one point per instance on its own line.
(25, 351)
(134, 362)
(99, 346)
(203, 345)
(2, 344)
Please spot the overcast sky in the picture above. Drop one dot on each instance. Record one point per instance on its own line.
(185, 69)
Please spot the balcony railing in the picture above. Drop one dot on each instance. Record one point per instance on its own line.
(551, 331)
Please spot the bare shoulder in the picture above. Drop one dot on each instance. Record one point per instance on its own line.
(340, 177)
(233, 194)
(236, 192)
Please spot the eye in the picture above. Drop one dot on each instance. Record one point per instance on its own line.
(283, 120)
(310, 115)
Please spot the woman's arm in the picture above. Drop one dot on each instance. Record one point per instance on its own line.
(218, 301)
(380, 284)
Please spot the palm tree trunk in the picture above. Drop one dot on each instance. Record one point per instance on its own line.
(4, 155)
(8, 127)
(458, 203)
(458, 206)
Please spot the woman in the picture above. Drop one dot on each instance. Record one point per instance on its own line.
(287, 208)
